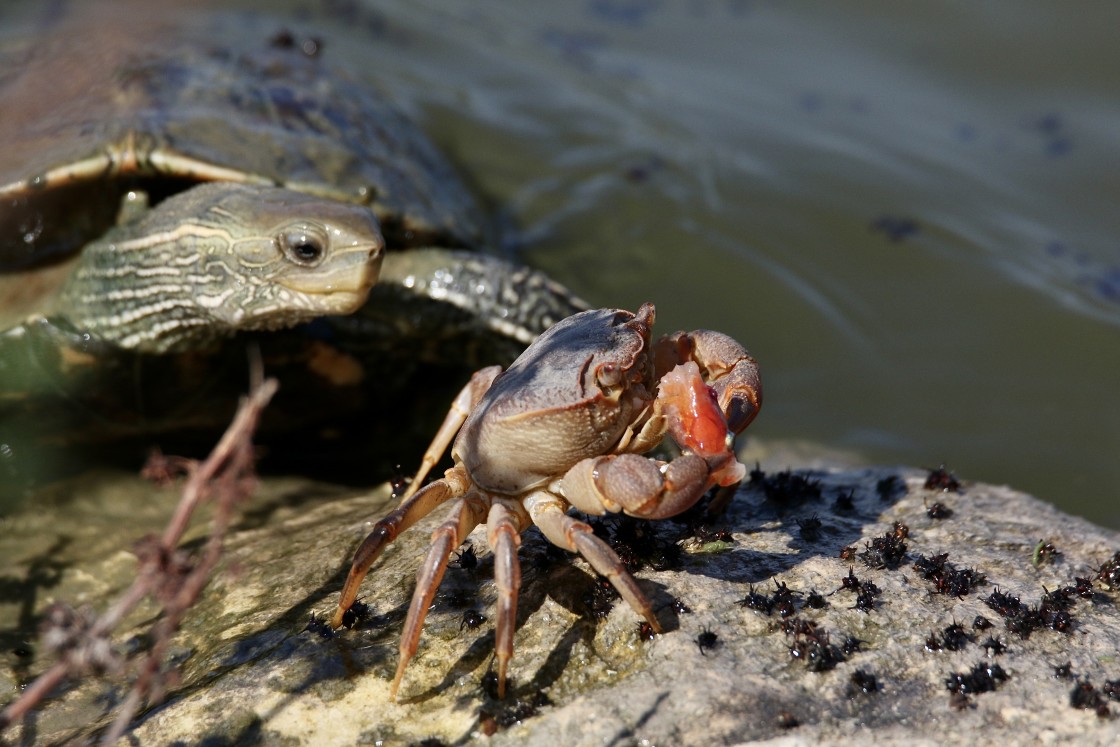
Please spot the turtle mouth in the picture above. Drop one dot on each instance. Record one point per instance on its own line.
(350, 273)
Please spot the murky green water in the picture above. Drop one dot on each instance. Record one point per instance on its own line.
(907, 213)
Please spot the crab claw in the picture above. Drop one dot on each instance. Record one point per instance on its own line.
(697, 423)
(637, 486)
(724, 365)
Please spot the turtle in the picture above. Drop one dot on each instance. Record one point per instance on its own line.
(167, 123)
(208, 262)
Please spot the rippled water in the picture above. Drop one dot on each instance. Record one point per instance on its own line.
(907, 213)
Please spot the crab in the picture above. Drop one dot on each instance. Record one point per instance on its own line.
(565, 426)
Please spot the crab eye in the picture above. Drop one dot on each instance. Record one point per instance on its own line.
(608, 375)
(303, 244)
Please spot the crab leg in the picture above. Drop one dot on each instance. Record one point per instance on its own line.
(549, 513)
(466, 513)
(464, 402)
(454, 483)
(503, 532)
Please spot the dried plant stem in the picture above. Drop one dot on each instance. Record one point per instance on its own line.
(226, 476)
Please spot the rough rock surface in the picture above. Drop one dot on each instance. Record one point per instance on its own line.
(870, 667)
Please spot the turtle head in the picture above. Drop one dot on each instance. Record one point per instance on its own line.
(289, 258)
(220, 258)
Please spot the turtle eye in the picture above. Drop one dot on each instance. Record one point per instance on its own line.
(303, 244)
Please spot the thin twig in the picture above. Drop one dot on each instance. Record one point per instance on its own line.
(164, 572)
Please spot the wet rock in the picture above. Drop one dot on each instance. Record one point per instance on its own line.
(831, 650)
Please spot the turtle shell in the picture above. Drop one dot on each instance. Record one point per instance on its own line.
(159, 99)
(146, 97)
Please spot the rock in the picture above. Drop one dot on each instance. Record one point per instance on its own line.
(887, 651)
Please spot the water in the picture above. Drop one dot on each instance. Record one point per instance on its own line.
(906, 212)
